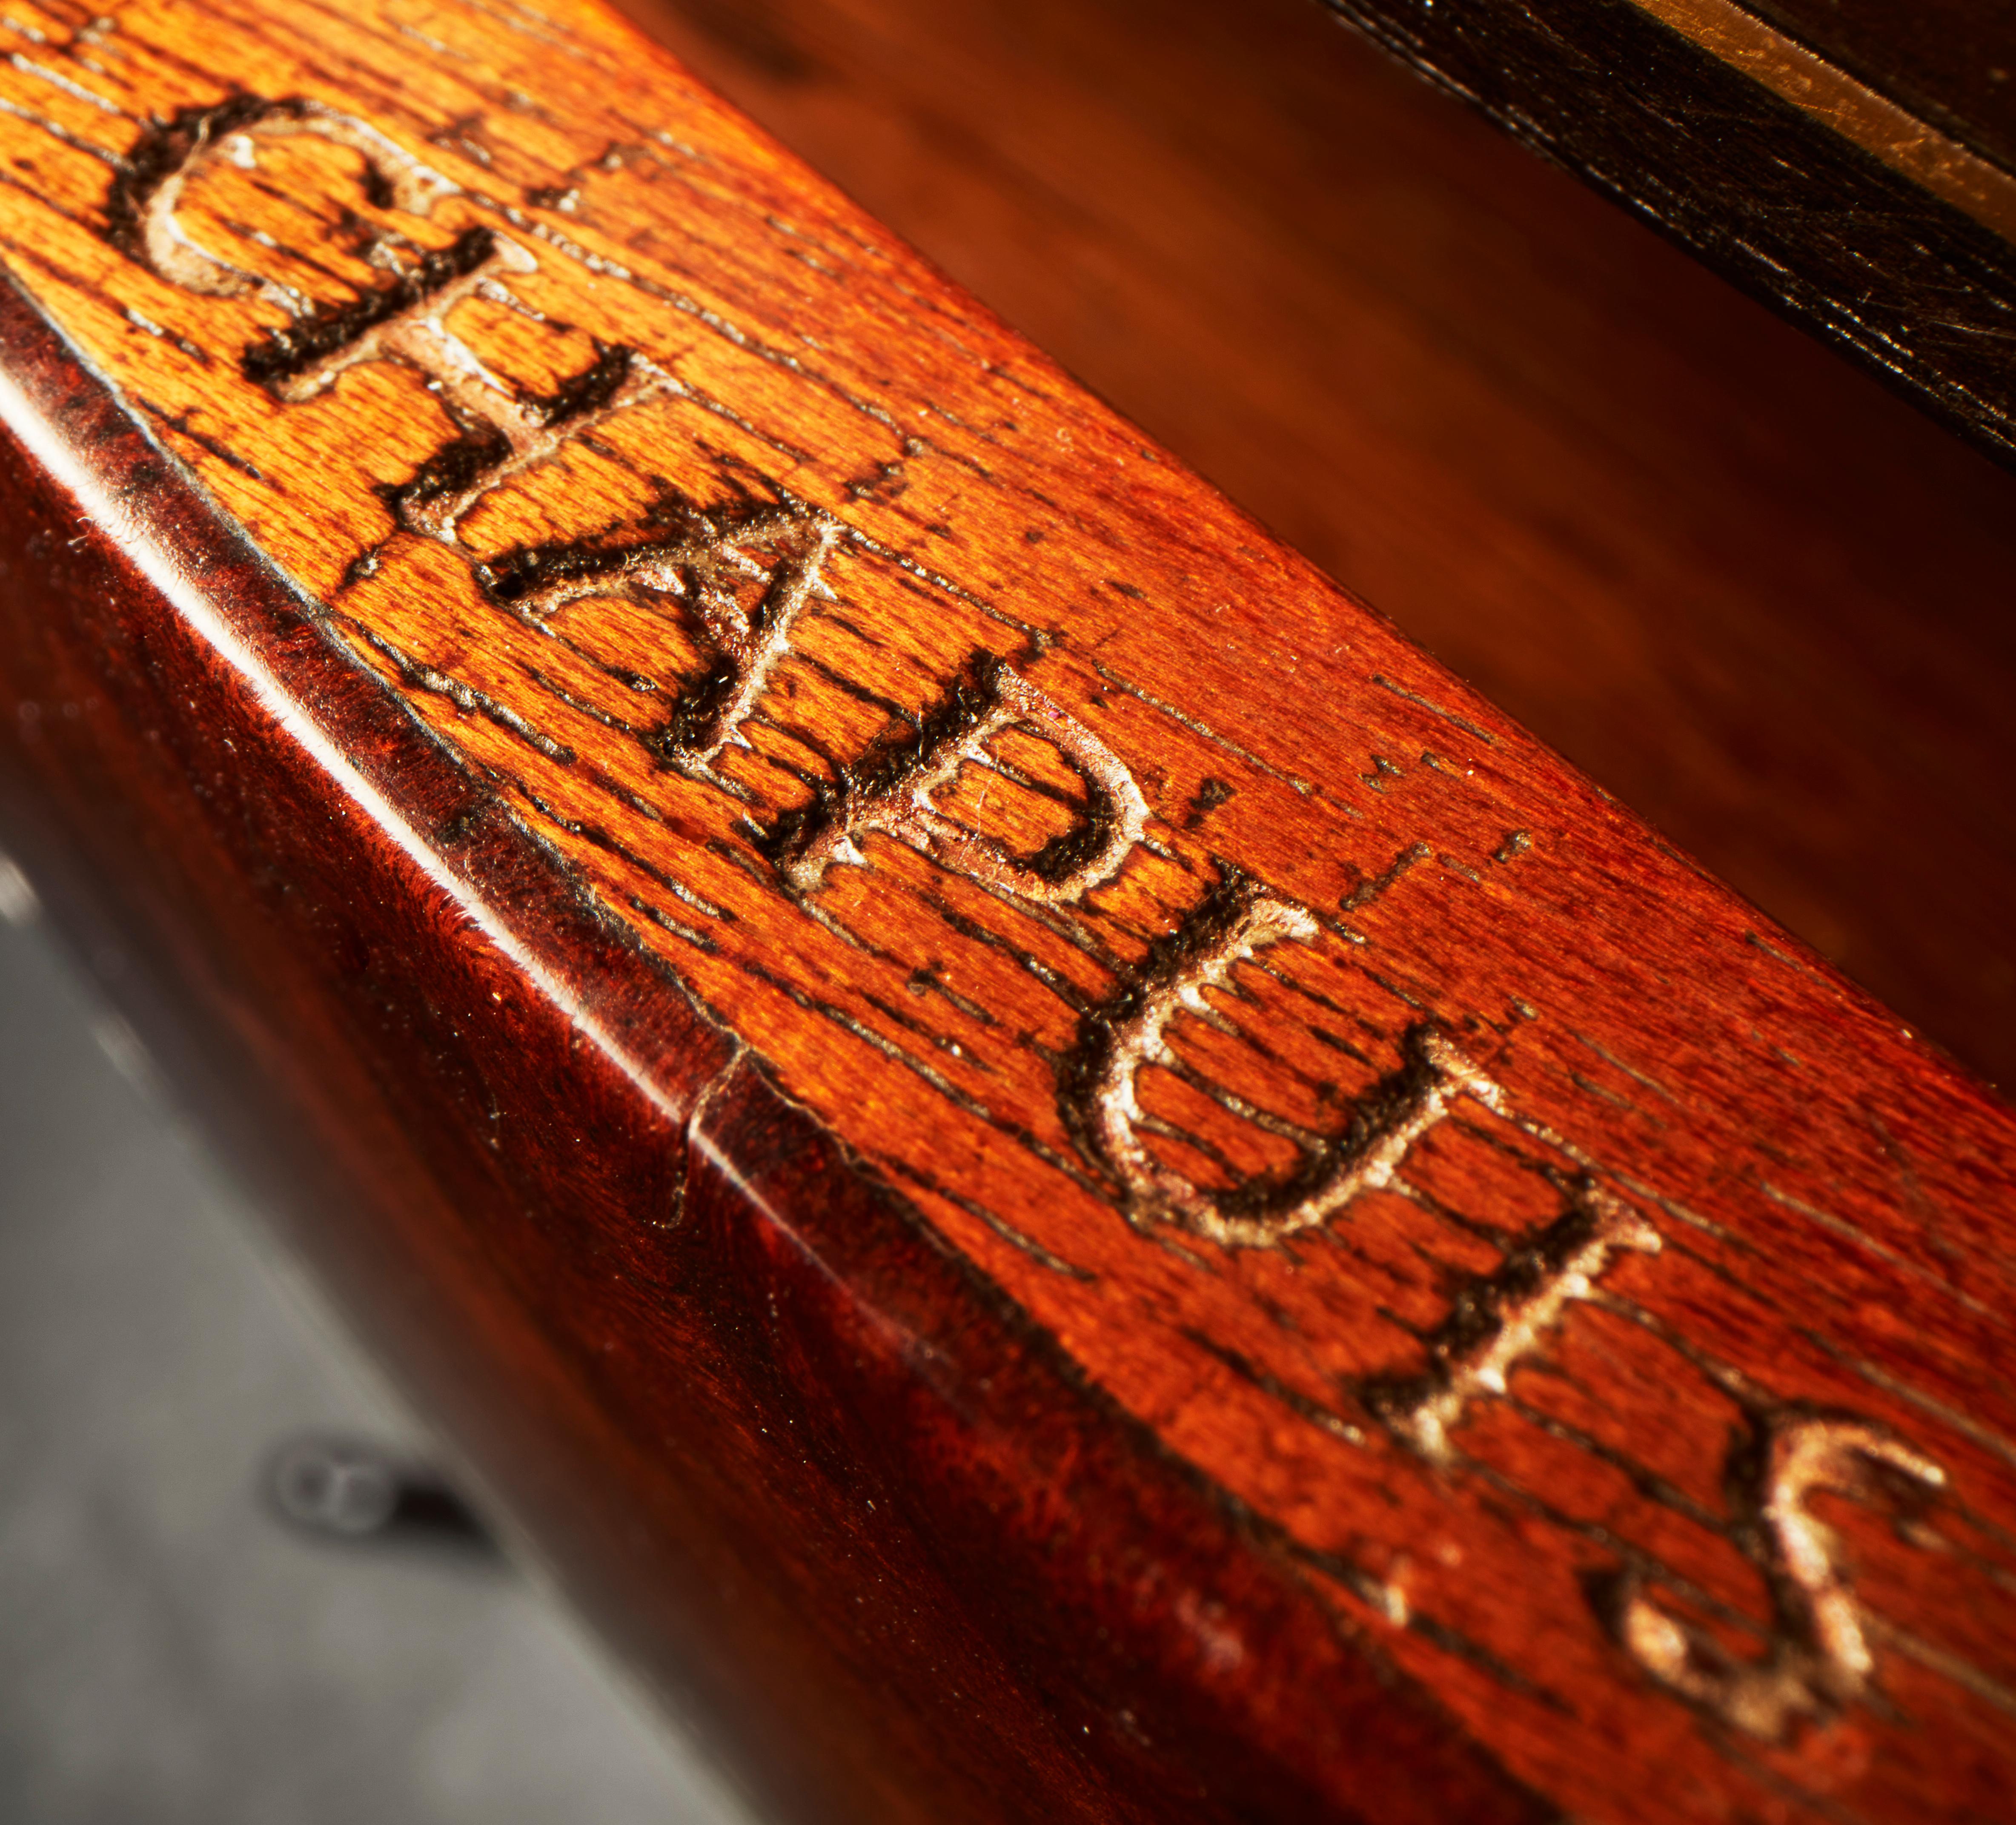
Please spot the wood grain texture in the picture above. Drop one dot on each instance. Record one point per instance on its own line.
(1035, 1148)
(1746, 589)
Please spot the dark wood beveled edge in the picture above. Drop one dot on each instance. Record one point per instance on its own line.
(810, 1473)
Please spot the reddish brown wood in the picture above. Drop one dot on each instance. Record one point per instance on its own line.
(1724, 574)
(817, 1478)
(790, 1275)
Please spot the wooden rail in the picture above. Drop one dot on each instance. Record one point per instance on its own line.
(1722, 571)
(1057, 1176)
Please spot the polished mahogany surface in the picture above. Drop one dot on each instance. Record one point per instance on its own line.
(1041, 1159)
(1749, 592)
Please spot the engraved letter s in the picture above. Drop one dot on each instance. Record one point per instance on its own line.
(1819, 1657)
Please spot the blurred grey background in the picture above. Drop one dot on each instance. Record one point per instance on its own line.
(170, 1650)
